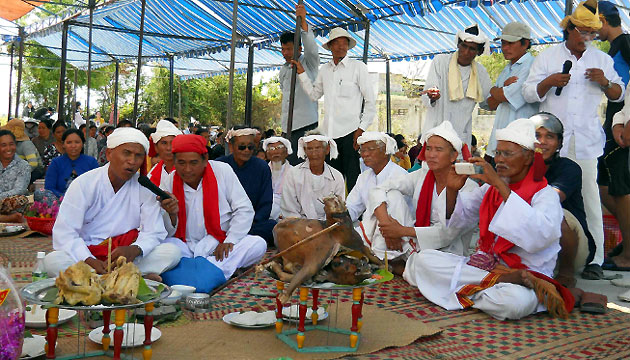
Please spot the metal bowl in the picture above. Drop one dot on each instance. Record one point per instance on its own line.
(197, 301)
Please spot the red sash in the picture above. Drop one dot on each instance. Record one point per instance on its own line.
(211, 216)
(156, 174)
(100, 251)
(423, 209)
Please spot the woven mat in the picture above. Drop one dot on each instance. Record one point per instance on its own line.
(466, 334)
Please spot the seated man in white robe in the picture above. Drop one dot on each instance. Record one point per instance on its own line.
(308, 183)
(403, 230)
(375, 149)
(108, 202)
(277, 150)
(163, 136)
(209, 214)
(519, 217)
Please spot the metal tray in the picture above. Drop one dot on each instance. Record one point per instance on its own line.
(35, 292)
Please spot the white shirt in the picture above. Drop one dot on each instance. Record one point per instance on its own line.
(344, 86)
(91, 212)
(515, 107)
(299, 199)
(358, 198)
(533, 229)
(437, 235)
(277, 182)
(304, 108)
(235, 210)
(459, 113)
(162, 177)
(577, 106)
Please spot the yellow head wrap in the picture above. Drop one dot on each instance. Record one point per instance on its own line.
(583, 16)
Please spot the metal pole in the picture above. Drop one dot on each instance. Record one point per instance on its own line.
(115, 120)
(366, 41)
(296, 57)
(171, 70)
(10, 80)
(74, 93)
(62, 76)
(228, 120)
(250, 84)
(19, 79)
(568, 7)
(179, 98)
(89, 79)
(138, 72)
(388, 97)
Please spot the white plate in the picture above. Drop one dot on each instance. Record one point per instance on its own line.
(135, 337)
(36, 318)
(290, 313)
(229, 319)
(33, 347)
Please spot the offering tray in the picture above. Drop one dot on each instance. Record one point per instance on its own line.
(36, 292)
(297, 343)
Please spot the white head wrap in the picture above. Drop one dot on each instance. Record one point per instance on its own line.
(306, 139)
(444, 130)
(126, 135)
(477, 39)
(519, 131)
(240, 132)
(275, 139)
(390, 143)
(164, 128)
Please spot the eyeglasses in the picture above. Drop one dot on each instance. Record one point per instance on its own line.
(587, 34)
(278, 147)
(249, 147)
(505, 154)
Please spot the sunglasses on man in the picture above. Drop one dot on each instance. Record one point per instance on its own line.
(249, 147)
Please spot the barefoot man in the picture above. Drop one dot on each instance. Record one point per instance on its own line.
(519, 218)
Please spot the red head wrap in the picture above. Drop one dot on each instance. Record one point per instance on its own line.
(189, 143)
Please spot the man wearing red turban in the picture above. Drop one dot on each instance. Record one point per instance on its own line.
(210, 213)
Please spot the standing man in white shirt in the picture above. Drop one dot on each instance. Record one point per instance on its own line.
(456, 83)
(506, 97)
(592, 74)
(304, 108)
(346, 84)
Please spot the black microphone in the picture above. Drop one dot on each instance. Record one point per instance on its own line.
(565, 70)
(146, 182)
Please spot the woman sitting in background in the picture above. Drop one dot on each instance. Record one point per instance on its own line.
(400, 157)
(15, 173)
(67, 167)
(44, 137)
(56, 148)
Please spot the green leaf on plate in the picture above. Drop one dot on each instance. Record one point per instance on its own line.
(145, 293)
(27, 334)
(51, 295)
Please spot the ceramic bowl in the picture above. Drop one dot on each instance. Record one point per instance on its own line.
(185, 290)
(197, 301)
(172, 298)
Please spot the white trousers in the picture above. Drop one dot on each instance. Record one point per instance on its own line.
(396, 208)
(246, 252)
(439, 275)
(163, 257)
(592, 202)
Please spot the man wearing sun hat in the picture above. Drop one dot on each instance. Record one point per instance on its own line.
(577, 106)
(456, 83)
(506, 96)
(346, 85)
(514, 256)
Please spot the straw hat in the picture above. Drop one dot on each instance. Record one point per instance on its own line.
(16, 126)
(337, 33)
